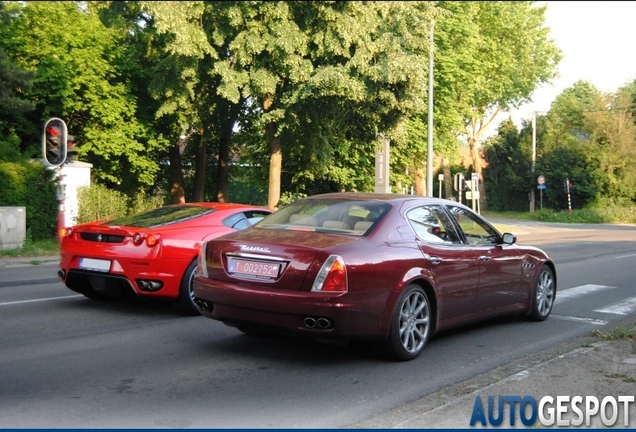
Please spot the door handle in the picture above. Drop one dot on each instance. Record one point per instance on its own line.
(435, 260)
(484, 258)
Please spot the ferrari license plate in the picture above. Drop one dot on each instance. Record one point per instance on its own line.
(94, 264)
(254, 269)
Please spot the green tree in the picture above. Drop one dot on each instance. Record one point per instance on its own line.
(356, 60)
(496, 54)
(78, 77)
(508, 170)
(13, 104)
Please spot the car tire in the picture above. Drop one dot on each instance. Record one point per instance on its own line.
(410, 324)
(543, 295)
(185, 300)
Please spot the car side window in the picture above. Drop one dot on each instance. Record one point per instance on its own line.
(242, 220)
(431, 224)
(476, 231)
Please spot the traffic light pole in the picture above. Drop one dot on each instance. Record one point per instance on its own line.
(61, 197)
(567, 189)
(54, 152)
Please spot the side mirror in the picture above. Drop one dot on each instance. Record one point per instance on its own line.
(509, 238)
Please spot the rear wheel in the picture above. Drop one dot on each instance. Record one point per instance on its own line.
(543, 295)
(185, 300)
(410, 324)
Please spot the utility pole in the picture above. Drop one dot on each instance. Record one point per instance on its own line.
(534, 155)
(429, 150)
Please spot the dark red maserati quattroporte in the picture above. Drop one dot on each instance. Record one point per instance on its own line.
(391, 268)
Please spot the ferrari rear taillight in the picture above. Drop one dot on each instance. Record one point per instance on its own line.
(151, 240)
(66, 232)
(332, 276)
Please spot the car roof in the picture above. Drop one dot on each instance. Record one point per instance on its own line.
(220, 206)
(389, 197)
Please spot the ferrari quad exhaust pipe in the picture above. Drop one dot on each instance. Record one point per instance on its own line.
(149, 285)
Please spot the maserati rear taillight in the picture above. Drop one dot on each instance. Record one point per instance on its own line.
(202, 268)
(332, 276)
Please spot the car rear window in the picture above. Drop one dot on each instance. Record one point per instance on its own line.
(329, 215)
(162, 216)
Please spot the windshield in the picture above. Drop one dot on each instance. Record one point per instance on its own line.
(339, 216)
(162, 216)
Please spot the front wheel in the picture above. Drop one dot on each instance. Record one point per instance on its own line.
(543, 295)
(185, 300)
(410, 324)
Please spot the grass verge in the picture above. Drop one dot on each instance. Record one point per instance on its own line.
(48, 247)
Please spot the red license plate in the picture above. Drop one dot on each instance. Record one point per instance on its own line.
(254, 269)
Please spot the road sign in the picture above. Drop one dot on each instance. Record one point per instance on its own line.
(458, 182)
(541, 180)
(541, 186)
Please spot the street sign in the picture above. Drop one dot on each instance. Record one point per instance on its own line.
(458, 182)
(541, 180)
(541, 186)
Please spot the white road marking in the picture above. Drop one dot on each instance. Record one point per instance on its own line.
(579, 319)
(579, 291)
(626, 256)
(39, 300)
(625, 307)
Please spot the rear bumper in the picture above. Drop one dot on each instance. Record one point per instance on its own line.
(126, 277)
(352, 315)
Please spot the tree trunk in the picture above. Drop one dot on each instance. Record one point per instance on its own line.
(448, 176)
(200, 163)
(275, 166)
(419, 179)
(476, 158)
(225, 143)
(177, 190)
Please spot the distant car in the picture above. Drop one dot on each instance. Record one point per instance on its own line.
(150, 254)
(390, 268)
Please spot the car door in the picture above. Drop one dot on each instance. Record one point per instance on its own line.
(500, 264)
(453, 265)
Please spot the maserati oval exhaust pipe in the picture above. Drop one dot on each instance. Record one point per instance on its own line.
(320, 323)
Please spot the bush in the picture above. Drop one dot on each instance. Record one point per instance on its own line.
(97, 202)
(30, 185)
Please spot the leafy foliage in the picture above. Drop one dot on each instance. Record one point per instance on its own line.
(97, 202)
(30, 185)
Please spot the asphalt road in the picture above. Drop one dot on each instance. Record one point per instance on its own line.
(69, 362)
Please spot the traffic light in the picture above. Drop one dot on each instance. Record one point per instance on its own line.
(71, 146)
(54, 142)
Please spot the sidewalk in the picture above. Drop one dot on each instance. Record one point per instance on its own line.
(588, 366)
(25, 261)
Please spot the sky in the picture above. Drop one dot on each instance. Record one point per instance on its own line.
(598, 43)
